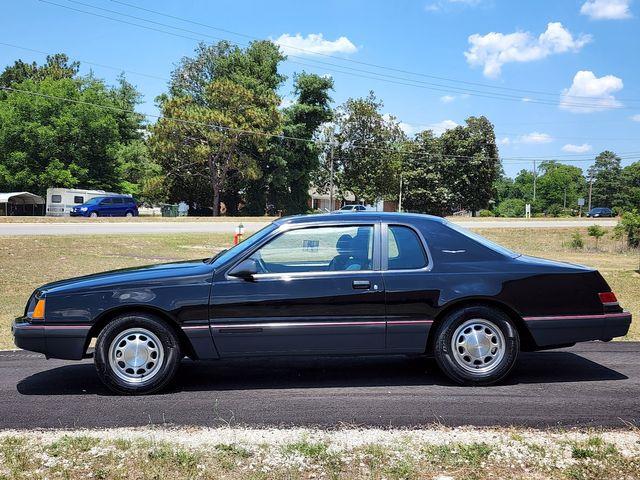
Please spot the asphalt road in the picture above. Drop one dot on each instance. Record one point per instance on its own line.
(141, 227)
(595, 384)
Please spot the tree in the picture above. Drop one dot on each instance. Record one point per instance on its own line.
(560, 185)
(607, 189)
(202, 141)
(254, 71)
(426, 175)
(56, 67)
(369, 152)
(47, 142)
(596, 231)
(631, 189)
(289, 187)
(478, 166)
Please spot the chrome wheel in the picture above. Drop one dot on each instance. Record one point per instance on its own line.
(478, 346)
(136, 355)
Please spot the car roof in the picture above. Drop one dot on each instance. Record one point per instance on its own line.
(366, 216)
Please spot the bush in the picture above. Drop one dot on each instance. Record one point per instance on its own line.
(512, 207)
(554, 210)
(630, 225)
(596, 231)
(486, 213)
(577, 243)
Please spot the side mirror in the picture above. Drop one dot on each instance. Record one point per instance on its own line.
(246, 269)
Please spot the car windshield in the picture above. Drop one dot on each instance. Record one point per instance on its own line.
(226, 255)
(481, 240)
(94, 201)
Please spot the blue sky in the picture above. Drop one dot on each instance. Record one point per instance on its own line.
(581, 56)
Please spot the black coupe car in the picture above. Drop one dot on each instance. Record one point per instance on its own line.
(360, 284)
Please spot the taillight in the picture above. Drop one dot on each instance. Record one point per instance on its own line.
(608, 297)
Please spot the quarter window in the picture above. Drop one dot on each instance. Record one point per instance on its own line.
(405, 249)
(321, 249)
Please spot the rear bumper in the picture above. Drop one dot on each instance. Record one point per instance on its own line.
(67, 342)
(558, 330)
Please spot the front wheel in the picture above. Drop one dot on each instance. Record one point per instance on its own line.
(93, 214)
(137, 354)
(476, 345)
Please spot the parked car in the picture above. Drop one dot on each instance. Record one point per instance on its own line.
(366, 283)
(111, 206)
(353, 208)
(600, 212)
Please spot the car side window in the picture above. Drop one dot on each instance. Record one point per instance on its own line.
(405, 249)
(318, 249)
(118, 200)
(106, 201)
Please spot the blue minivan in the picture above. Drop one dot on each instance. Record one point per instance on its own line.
(111, 206)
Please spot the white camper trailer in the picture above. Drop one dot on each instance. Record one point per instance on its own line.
(60, 201)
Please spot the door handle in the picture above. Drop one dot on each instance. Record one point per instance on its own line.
(361, 284)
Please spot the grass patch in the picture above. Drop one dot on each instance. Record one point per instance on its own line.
(395, 455)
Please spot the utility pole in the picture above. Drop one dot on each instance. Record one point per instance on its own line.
(590, 189)
(400, 196)
(565, 196)
(535, 177)
(332, 205)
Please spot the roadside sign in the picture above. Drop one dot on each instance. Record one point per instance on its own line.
(527, 210)
(581, 202)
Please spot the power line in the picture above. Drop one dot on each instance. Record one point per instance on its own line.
(286, 137)
(351, 70)
(311, 52)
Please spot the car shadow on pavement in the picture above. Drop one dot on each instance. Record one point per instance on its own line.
(321, 372)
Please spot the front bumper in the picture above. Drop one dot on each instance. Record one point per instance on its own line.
(67, 342)
(29, 336)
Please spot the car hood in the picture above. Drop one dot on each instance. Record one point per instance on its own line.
(135, 275)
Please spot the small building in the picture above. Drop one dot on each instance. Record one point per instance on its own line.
(21, 203)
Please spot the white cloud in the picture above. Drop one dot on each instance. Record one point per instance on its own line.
(571, 148)
(447, 98)
(504, 141)
(606, 9)
(440, 127)
(437, 128)
(526, 99)
(493, 50)
(535, 137)
(598, 90)
(313, 43)
(636, 117)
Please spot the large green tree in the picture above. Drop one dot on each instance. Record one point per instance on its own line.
(368, 155)
(608, 183)
(199, 142)
(49, 142)
(559, 185)
(250, 76)
(289, 185)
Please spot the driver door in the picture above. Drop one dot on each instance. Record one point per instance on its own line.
(317, 290)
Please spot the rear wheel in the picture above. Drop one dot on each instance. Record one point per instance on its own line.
(476, 345)
(128, 214)
(137, 354)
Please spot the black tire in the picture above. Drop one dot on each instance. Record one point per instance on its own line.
(163, 373)
(458, 369)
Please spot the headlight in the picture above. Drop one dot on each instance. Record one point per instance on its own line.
(83, 209)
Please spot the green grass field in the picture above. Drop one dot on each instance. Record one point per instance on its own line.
(27, 262)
